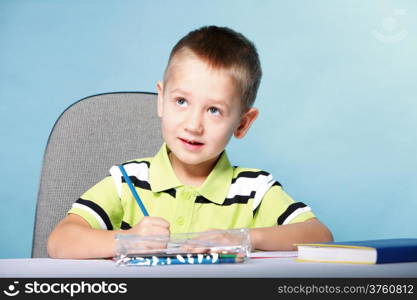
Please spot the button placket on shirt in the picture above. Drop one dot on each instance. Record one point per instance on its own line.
(185, 209)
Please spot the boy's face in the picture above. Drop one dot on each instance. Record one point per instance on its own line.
(200, 109)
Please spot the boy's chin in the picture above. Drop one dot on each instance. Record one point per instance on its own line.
(193, 159)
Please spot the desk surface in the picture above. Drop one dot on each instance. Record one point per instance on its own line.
(256, 267)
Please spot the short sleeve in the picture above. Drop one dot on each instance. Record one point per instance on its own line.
(278, 208)
(100, 206)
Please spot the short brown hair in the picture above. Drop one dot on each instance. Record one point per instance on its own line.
(222, 47)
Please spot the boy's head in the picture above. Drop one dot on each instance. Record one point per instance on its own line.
(223, 48)
(207, 93)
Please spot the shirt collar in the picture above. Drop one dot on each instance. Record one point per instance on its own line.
(161, 175)
(214, 188)
(217, 184)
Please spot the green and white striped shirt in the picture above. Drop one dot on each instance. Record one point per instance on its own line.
(230, 197)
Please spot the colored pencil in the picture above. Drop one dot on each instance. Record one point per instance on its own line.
(132, 189)
(190, 259)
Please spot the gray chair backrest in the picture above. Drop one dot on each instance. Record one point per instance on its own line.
(87, 139)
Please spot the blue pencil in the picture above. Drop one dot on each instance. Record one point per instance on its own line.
(132, 189)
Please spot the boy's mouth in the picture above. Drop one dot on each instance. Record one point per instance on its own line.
(191, 145)
(191, 142)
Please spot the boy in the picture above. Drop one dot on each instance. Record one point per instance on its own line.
(206, 96)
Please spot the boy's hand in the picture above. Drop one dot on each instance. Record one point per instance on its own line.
(221, 237)
(215, 238)
(152, 226)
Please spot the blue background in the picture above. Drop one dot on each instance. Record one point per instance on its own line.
(338, 98)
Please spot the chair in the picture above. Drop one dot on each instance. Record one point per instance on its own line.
(88, 138)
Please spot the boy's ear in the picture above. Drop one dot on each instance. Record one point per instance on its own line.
(245, 122)
(160, 88)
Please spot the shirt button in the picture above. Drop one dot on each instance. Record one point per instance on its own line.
(180, 221)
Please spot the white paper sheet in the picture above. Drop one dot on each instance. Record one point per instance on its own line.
(274, 254)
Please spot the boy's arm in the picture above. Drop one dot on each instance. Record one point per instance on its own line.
(74, 238)
(284, 237)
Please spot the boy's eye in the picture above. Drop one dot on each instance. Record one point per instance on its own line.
(181, 102)
(214, 110)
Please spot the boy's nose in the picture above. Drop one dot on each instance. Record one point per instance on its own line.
(194, 124)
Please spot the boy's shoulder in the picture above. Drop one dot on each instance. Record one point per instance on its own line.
(133, 167)
(253, 175)
(139, 160)
(245, 171)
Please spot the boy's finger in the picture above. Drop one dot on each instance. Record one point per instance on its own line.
(153, 222)
(156, 230)
(159, 222)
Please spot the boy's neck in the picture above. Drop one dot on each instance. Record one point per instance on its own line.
(193, 175)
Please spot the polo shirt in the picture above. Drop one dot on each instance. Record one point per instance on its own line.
(230, 197)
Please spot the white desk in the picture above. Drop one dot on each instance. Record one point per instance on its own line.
(268, 267)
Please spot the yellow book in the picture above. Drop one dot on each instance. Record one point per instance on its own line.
(360, 252)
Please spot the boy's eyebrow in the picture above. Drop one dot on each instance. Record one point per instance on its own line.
(178, 90)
